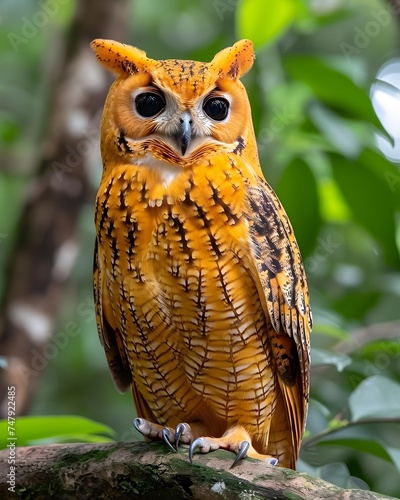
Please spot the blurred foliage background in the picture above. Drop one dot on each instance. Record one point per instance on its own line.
(325, 95)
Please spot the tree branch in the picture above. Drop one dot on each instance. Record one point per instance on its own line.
(148, 470)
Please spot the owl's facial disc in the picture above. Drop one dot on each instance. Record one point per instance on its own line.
(181, 125)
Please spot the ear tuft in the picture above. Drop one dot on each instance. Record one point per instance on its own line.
(120, 58)
(234, 62)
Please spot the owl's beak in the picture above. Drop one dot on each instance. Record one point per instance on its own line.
(185, 132)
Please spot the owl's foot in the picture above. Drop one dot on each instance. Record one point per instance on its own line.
(181, 434)
(236, 440)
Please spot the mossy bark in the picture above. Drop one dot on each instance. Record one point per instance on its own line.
(150, 470)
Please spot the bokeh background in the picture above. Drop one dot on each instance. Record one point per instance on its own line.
(325, 95)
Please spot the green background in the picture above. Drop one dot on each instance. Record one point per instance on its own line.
(315, 125)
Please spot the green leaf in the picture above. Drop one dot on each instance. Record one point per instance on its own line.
(375, 396)
(71, 438)
(10, 130)
(30, 429)
(386, 170)
(356, 304)
(371, 202)
(338, 473)
(335, 129)
(333, 206)
(314, 404)
(363, 445)
(322, 357)
(386, 349)
(395, 456)
(334, 333)
(297, 190)
(333, 88)
(264, 26)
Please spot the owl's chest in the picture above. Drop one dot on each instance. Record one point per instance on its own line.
(179, 245)
(174, 219)
(178, 248)
(182, 237)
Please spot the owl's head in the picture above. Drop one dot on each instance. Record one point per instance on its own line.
(176, 110)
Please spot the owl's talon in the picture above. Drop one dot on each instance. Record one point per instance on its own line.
(241, 453)
(197, 443)
(136, 423)
(166, 435)
(180, 428)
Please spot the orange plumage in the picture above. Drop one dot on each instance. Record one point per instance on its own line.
(201, 297)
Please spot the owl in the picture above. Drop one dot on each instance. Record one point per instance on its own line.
(201, 297)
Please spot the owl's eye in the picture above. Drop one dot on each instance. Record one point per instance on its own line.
(216, 108)
(149, 104)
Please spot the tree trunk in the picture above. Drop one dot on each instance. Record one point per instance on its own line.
(148, 470)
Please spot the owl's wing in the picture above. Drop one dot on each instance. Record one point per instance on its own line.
(110, 337)
(278, 271)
